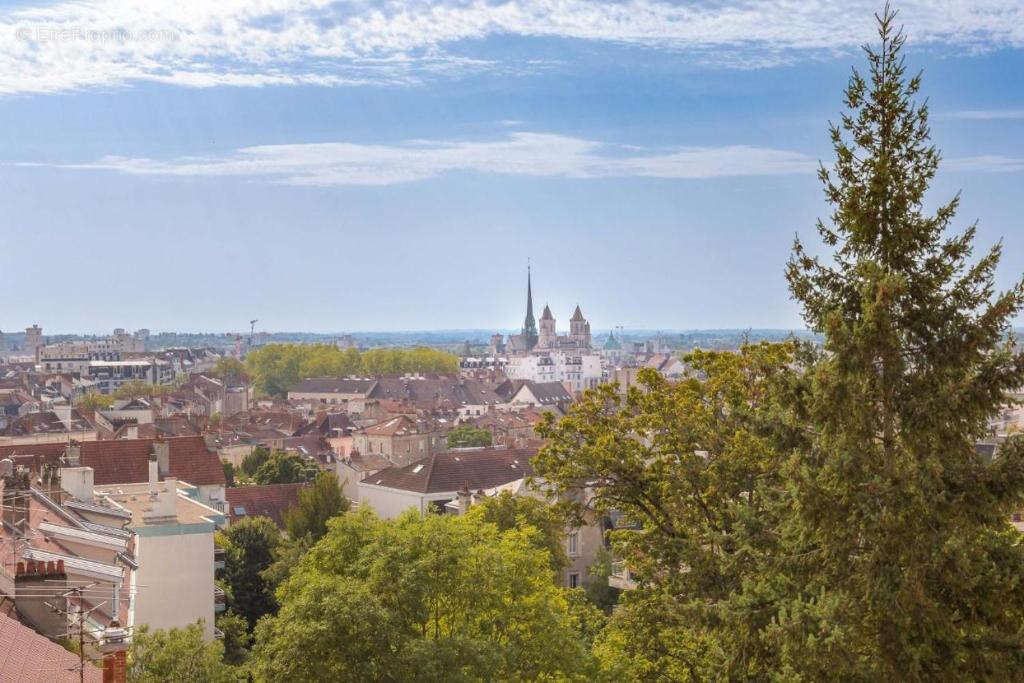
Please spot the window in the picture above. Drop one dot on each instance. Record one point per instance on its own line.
(574, 543)
(574, 580)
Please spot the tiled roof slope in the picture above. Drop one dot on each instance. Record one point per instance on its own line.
(270, 501)
(473, 468)
(333, 385)
(550, 392)
(126, 461)
(27, 657)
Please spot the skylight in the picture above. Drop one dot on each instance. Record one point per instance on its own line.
(417, 469)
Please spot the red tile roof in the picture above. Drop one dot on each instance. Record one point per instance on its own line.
(27, 657)
(270, 501)
(126, 461)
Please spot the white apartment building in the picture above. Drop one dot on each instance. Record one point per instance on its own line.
(109, 375)
(576, 371)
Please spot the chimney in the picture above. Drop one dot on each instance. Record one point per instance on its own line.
(154, 471)
(464, 499)
(63, 413)
(78, 481)
(74, 454)
(114, 646)
(35, 584)
(162, 450)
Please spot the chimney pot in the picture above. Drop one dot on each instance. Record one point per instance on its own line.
(20, 568)
(60, 566)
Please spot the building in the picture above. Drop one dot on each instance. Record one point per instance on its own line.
(126, 461)
(33, 341)
(111, 375)
(576, 371)
(543, 395)
(72, 550)
(428, 485)
(271, 501)
(173, 584)
(401, 439)
(334, 391)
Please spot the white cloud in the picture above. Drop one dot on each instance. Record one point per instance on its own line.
(518, 153)
(990, 163)
(986, 114)
(203, 43)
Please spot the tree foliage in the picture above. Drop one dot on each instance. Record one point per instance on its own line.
(94, 401)
(252, 461)
(177, 654)
(230, 370)
(695, 465)
(317, 504)
(249, 545)
(284, 468)
(906, 563)
(507, 511)
(420, 598)
(139, 389)
(468, 436)
(806, 515)
(275, 368)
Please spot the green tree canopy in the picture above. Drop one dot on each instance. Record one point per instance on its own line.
(284, 468)
(508, 511)
(230, 370)
(901, 548)
(237, 639)
(249, 546)
(826, 515)
(275, 368)
(420, 598)
(317, 504)
(256, 457)
(695, 465)
(177, 654)
(139, 389)
(468, 436)
(94, 401)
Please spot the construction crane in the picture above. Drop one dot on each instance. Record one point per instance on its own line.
(252, 330)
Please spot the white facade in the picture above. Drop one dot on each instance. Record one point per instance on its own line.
(574, 370)
(389, 503)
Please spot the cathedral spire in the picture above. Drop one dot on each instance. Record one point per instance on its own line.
(529, 325)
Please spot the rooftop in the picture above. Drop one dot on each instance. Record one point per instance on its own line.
(451, 471)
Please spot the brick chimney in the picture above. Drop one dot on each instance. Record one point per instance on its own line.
(33, 580)
(114, 646)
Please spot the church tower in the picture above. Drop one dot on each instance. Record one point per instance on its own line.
(548, 340)
(579, 329)
(529, 325)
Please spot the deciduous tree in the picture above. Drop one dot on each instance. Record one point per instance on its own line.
(420, 598)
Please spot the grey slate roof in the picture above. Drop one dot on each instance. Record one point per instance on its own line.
(451, 471)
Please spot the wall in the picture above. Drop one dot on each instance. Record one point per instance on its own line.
(175, 576)
(389, 503)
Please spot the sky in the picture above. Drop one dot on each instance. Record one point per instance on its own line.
(365, 165)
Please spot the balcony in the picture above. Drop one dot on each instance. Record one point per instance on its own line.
(218, 558)
(621, 577)
(219, 600)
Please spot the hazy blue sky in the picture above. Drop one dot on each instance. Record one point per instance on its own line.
(371, 165)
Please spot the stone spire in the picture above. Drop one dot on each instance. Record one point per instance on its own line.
(529, 325)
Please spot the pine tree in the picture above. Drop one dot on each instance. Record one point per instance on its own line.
(903, 563)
